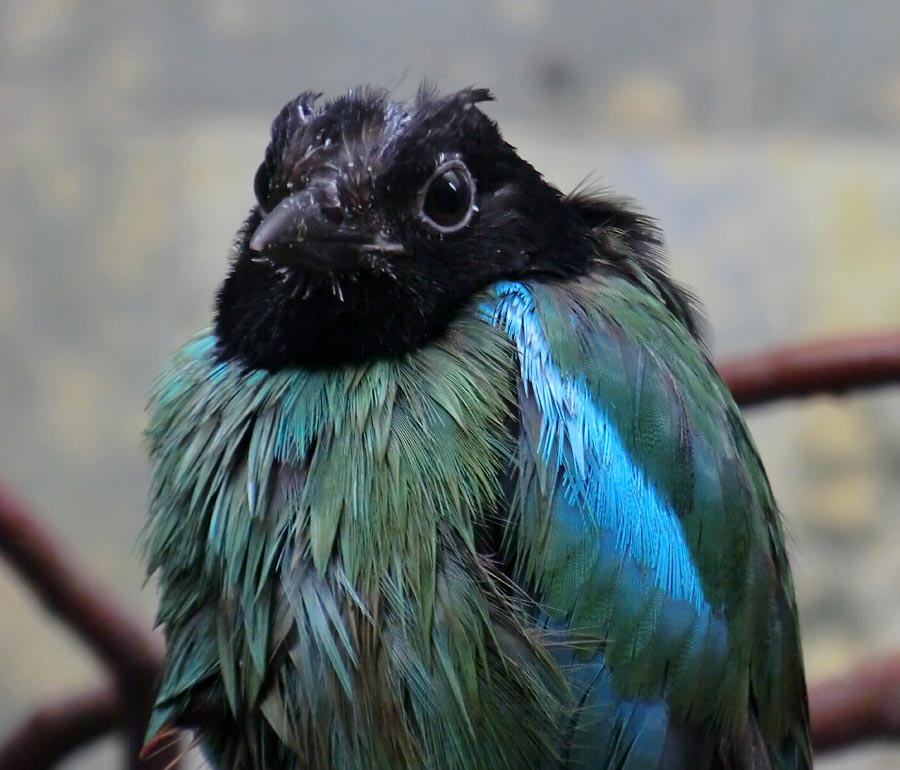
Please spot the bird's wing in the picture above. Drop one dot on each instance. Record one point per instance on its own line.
(643, 524)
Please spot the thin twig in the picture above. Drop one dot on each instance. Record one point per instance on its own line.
(829, 366)
(57, 729)
(858, 706)
(42, 562)
(121, 643)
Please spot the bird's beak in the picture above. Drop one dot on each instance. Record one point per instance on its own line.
(304, 219)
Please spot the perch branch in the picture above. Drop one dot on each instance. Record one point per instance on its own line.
(54, 731)
(41, 561)
(858, 706)
(122, 644)
(829, 366)
(57, 729)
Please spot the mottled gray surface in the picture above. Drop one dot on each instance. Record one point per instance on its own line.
(763, 134)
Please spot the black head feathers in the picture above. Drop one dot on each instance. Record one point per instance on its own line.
(376, 221)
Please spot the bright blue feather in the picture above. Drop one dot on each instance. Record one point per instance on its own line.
(616, 542)
(599, 475)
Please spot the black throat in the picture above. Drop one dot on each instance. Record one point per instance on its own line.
(271, 315)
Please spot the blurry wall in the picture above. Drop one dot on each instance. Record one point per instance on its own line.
(762, 134)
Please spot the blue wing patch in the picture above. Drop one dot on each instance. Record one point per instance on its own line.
(606, 556)
(598, 474)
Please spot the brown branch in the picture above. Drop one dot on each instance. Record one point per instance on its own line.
(829, 366)
(57, 729)
(861, 705)
(121, 643)
(41, 561)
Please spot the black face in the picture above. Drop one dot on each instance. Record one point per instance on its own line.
(375, 222)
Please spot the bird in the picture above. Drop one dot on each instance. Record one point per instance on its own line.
(450, 481)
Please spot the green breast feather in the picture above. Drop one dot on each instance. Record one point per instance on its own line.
(438, 561)
(315, 538)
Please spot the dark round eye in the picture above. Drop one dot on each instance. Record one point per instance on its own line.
(447, 201)
(261, 187)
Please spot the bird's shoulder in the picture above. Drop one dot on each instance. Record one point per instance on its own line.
(644, 517)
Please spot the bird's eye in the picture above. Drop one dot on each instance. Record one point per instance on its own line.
(261, 187)
(447, 201)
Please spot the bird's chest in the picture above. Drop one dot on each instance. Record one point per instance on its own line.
(391, 468)
(365, 467)
(322, 525)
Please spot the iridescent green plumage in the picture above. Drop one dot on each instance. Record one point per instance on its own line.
(315, 536)
(451, 482)
(325, 584)
(723, 655)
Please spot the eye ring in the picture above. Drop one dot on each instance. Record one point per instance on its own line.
(447, 200)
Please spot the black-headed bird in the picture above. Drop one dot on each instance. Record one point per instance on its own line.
(450, 482)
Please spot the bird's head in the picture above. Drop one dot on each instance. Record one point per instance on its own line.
(375, 221)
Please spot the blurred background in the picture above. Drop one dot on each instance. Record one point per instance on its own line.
(763, 135)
